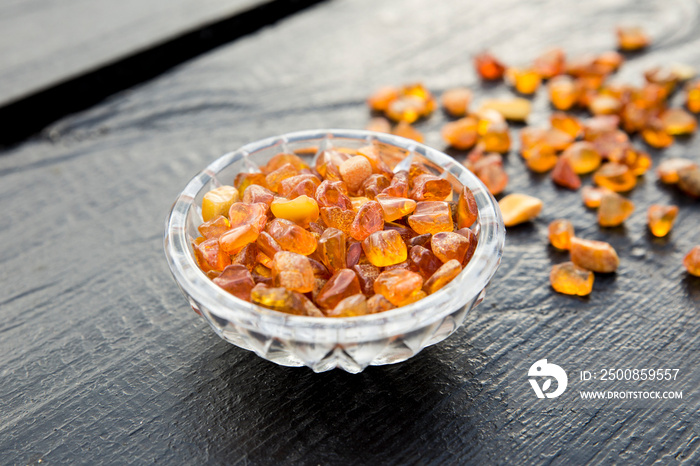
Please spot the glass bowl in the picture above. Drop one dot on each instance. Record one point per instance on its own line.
(351, 343)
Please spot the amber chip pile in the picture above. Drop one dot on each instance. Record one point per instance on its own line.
(346, 237)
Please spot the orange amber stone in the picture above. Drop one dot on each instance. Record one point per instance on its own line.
(616, 177)
(399, 185)
(395, 208)
(374, 184)
(668, 169)
(386, 247)
(665, 78)
(366, 274)
(461, 134)
(448, 245)
(430, 188)
(660, 219)
(244, 180)
(275, 177)
(405, 130)
(237, 238)
(519, 208)
(335, 217)
(373, 154)
(217, 202)
(298, 185)
(610, 60)
(631, 38)
(494, 177)
(379, 100)
(614, 209)
(560, 234)
(327, 164)
(262, 274)
(425, 260)
(605, 105)
(496, 138)
(641, 164)
(456, 101)
(268, 245)
(255, 194)
(689, 181)
(568, 278)
(352, 306)
(550, 64)
(431, 217)
(541, 159)
(355, 171)
(566, 123)
(236, 279)
(592, 196)
(525, 81)
(333, 249)
(406, 108)
(282, 159)
(692, 261)
(467, 210)
(692, 100)
(369, 218)
(333, 193)
(210, 256)
(292, 271)
(398, 286)
(442, 276)
(677, 121)
(379, 303)
(596, 256)
(343, 283)
(278, 299)
(291, 237)
(583, 156)
(469, 234)
(655, 135)
(254, 215)
(563, 92)
(246, 256)
(214, 227)
(263, 259)
(488, 67)
(564, 174)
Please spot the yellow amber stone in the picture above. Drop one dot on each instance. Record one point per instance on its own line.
(352, 306)
(677, 121)
(214, 227)
(442, 276)
(641, 164)
(605, 105)
(384, 248)
(692, 100)
(237, 238)
(614, 209)
(563, 92)
(615, 176)
(302, 210)
(336, 217)
(282, 159)
(567, 123)
(583, 156)
(596, 256)
(631, 38)
(692, 261)
(431, 217)
(395, 208)
(515, 109)
(660, 219)
(358, 202)
(525, 81)
(560, 234)
(519, 208)
(218, 201)
(668, 169)
(496, 138)
(568, 278)
(456, 101)
(405, 130)
(292, 271)
(278, 299)
(399, 286)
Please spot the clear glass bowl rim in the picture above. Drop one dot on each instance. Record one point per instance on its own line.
(471, 281)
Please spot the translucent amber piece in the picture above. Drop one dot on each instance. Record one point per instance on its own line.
(421, 240)
(333, 249)
(568, 278)
(456, 101)
(379, 124)
(566, 123)
(255, 194)
(461, 134)
(214, 227)
(660, 219)
(246, 256)
(236, 279)
(442, 276)
(369, 218)
(514, 109)
(560, 234)
(405, 130)
(374, 155)
(563, 92)
(668, 169)
(254, 215)
(583, 156)
(467, 211)
(335, 217)
(614, 209)
(692, 100)
(406, 233)
(407, 109)
(274, 178)
(366, 274)
(430, 188)
(243, 180)
(342, 284)
(469, 234)
(564, 174)
(525, 81)
(333, 193)
(425, 260)
(550, 64)
(358, 202)
(596, 256)
(262, 274)
(493, 176)
(677, 121)
(631, 38)
(379, 303)
(605, 105)
(610, 60)
(541, 159)
(263, 259)
(399, 185)
(210, 256)
(301, 210)
(278, 299)
(381, 98)
(616, 177)
(218, 201)
(592, 196)
(489, 67)
(354, 254)
(237, 238)
(352, 306)
(448, 245)
(689, 181)
(656, 136)
(398, 286)
(268, 245)
(327, 164)
(692, 261)
(641, 164)
(431, 217)
(291, 237)
(384, 248)
(280, 160)
(395, 208)
(292, 271)
(496, 138)
(519, 208)
(320, 270)
(298, 185)
(374, 184)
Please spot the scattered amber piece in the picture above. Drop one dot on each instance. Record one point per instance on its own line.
(431, 217)
(564, 174)
(631, 38)
(379, 124)
(519, 208)
(384, 248)
(689, 180)
(616, 177)
(641, 164)
(214, 227)
(218, 201)
(541, 159)
(342, 284)
(495, 138)
(378, 303)
(563, 92)
(551, 63)
(677, 121)
(442, 276)
(655, 135)
(355, 171)
(668, 169)
(461, 134)
(448, 245)
(660, 219)
(352, 306)
(614, 209)
(560, 234)
(692, 100)
(467, 210)
(406, 108)
(379, 101)
(494, 177)
(398, 285)
(605, 105)
(692, 261)
(456, 101)
(592, 196)
(566, 123)
(236, 279)
(488, 67)
(278, 299)
(210, 256)
(236, 238)
(568, 278)
(302, 210)
(525, 81)
(610, 60)
(369, 218)
(291, 237)
(243, 180)
(583, 156)
(292, 271)
(596, 256)
(515, 109)
(662, 77)
(405, 130)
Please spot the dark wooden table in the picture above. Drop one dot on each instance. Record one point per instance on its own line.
(103, 361)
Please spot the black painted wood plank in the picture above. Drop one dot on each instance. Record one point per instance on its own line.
(103, 361)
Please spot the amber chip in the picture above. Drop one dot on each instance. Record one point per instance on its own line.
(660, 219)
(583, 156)
(689, 181)
(384, 248)
(525, 81)
(342, 284)
(677, 121)
(514, 109)
(568, 278)
(631, 38)
(398, 286)
(467, 210)
(461, 134)
(519, 208)
(551, 63)
(292, 271)
(668, 169)
(614, 209)
(431, 217)
(692, 261)
(488, 67)
(616, 177)
(563, 92)
(442, 276)
(560, 234)
(456, 101)
(596, 256)
(352, 306)
(592, 196)
(381, 98)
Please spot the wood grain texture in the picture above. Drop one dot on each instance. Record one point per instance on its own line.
(102, 361)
